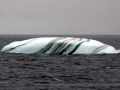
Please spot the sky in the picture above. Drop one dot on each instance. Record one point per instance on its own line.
(60, 17)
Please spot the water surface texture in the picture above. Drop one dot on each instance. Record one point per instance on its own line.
(59, 72)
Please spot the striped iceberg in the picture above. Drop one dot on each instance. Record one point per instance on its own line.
(59, 45)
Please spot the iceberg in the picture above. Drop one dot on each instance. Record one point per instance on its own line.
(59, 45)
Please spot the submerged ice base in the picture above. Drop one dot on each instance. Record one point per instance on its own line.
(59, 45)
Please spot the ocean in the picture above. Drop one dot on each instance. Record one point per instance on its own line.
(60, 72)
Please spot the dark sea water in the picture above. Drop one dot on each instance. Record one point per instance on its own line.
(60, 72)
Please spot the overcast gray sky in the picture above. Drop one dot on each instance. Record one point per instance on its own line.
(59, 16)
